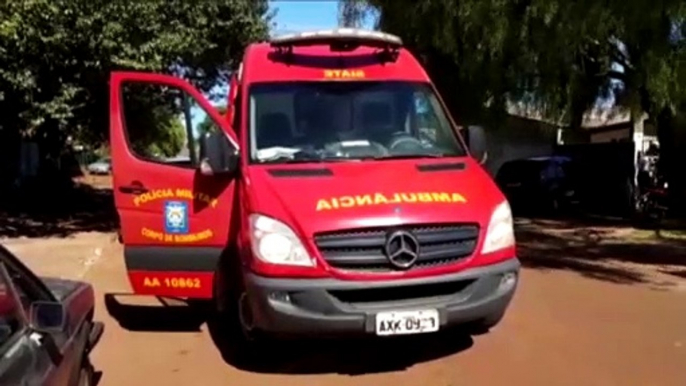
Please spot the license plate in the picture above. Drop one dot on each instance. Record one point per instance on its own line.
(406, 322)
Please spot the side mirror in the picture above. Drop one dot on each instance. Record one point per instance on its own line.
(48, 316)
(476, 139)
(217, 155)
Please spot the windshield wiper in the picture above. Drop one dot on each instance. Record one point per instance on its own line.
(314, 160)
(408, 156)
(289, 159)
(308, 157)
(305, 157)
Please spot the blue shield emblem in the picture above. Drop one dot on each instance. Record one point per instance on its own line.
(176, 217)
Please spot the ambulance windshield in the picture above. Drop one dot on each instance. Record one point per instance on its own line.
(348, 121)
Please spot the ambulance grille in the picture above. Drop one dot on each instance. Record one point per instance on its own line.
(363, 249)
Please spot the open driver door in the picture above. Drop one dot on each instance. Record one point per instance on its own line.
(175, 211)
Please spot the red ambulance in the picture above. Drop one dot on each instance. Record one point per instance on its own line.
(335, 197)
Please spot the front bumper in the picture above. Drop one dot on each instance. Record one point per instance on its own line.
(332, 307)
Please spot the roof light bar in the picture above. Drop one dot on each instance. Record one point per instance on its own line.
(336, 36)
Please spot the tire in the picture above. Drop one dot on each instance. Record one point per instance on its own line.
(246, 346)
(86, 373)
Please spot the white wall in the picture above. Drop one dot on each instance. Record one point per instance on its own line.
(614, 135)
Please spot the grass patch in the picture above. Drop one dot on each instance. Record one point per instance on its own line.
(643, 235)
(672, 235)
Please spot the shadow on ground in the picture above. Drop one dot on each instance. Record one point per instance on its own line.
(599, 248)
(57, 212)
(97, 377)
(349, 356)
(178, 317)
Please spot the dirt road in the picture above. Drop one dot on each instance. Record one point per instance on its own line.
(562, 329)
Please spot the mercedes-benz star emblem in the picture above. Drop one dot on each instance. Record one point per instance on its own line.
(402, 249)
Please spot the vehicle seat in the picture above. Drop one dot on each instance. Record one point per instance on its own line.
(274, 130)
(376, 122)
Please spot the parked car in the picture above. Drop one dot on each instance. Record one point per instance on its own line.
(46, 328)
(100, 167)
(539, 184)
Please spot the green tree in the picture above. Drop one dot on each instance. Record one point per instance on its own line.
(207, 124)
(558, 56)
(352, 13)
(171, 141)
(56, 57)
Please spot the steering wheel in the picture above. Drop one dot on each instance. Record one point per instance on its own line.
(370, 149)
(402, 140)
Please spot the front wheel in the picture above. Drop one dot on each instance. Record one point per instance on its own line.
(233, 329)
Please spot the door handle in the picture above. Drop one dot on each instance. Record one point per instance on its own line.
(136, 187)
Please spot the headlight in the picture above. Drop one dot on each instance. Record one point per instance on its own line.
(500, 233)
(275, 242)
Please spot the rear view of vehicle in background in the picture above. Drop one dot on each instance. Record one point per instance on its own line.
(100, 167)
(336, 197)
(539, 185)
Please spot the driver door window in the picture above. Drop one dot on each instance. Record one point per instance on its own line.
(22, 360)
(12, 315)
(18, 354)
(23, 282)
(164, 124)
